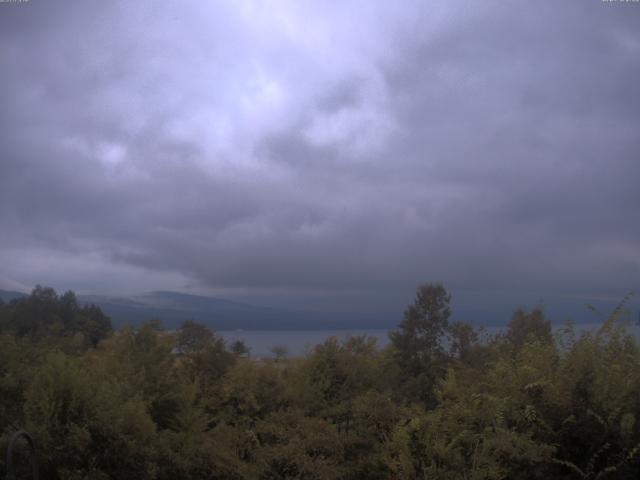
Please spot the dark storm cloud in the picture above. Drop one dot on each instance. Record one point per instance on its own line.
(488, 145)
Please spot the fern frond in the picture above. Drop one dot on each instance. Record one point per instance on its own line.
(608, 323)
(570, 465)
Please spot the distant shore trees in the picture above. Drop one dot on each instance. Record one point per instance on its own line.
(44, 313)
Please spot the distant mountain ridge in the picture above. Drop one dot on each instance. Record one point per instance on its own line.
(172, 308)
(8, 295)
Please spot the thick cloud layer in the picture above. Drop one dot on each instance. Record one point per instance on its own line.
(321, 147)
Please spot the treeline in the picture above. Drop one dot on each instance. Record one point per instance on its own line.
(441, 401)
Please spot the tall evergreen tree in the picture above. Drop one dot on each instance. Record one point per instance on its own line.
(418, 340)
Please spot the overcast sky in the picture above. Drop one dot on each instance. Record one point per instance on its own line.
(349, 148)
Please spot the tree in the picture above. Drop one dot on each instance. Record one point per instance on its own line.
(293, 445)
(44, 314)
(279, 352)
(35, 315)
(92, 323)
(463, 339)
(240, 348)
(205, 358)
(193, 336)
(87, 425)
(528, 326)
(418, 340)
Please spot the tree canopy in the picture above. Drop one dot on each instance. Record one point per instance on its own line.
(437, 403)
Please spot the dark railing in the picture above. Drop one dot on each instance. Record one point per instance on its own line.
(11, 475)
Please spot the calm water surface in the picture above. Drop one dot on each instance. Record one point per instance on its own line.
(298, 342)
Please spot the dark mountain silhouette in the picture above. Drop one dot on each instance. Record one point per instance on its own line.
(171, 308)
(8, 295)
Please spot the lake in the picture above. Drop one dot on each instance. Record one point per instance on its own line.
(298, 342)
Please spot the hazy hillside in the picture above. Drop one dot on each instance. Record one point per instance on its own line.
(220, 314)
(8, 295)
(173, 307)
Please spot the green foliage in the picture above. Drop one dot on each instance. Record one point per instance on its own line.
(239, 348)
(193, 337)
(528, 326)
(83, 422)
(44, 314)
(418, 342)
(293, 445)
(250, 392)
(150, 404)
(464, 341)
